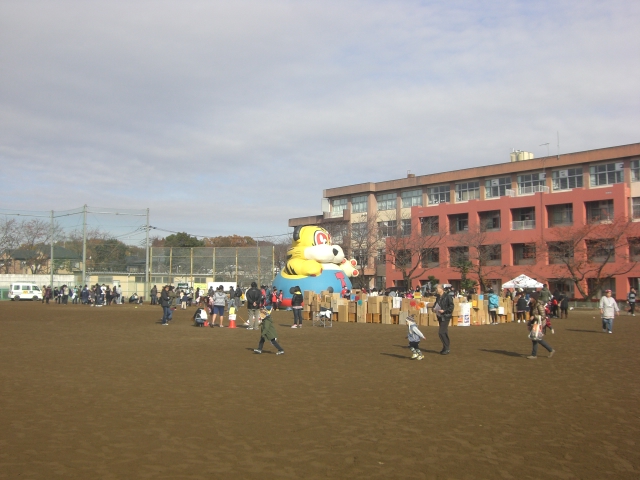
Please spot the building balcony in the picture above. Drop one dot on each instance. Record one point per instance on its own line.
(533, 189)
(340, 215)
(523, 225)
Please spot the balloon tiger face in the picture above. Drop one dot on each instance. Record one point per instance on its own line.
(311, 248)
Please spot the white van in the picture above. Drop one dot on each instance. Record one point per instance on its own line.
(25, 291)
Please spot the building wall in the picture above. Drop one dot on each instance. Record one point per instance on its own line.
(620, 193)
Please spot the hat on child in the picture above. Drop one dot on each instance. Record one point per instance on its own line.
(410, 319)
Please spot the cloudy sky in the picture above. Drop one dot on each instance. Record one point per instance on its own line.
(230, 117)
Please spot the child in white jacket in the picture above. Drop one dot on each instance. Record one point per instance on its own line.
(415, 335)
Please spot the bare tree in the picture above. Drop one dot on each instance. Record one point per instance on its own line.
(9, 240)
(591, 254)
(413, 251)
(483, 257)
(365, 246)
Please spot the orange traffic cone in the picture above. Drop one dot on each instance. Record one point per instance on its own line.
(232, 317)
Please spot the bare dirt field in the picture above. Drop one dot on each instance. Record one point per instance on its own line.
(108, 393)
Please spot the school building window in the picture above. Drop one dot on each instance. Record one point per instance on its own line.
(339, 205)
(359, 204)
(405, 226)
(606, 174)
(560, 215)
(388, 228)
(636, 207)
(567, 179)
(437, 195)
(531, 183)
(490, 221)
(411, 198)
(430, 225)
(467, 191)
(497, 187)
(599, 212)
(635, 170)
(386, 201)
(430, 257)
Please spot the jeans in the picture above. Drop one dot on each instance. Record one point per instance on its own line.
(273, 342)
(166, 314)
(443, 332)
(297, 316)
(534, 350)
(607, 324)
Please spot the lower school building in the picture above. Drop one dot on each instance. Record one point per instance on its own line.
(567, 220)
(580, 242)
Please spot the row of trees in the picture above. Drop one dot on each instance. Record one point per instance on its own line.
(29, 243)
(587, 256)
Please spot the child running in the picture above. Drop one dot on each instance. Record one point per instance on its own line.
(267, 332)
(415, 335)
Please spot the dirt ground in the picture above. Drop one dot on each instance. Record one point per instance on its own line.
(108, 393)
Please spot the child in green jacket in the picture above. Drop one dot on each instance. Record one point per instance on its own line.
(267, 332)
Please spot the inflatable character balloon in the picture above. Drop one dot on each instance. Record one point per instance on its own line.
(314, 263)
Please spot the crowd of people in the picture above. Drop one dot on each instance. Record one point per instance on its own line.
(96, 296)
(535, 308)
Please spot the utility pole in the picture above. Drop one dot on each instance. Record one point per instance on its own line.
(51, 255)
(84, 245)
(146, 263)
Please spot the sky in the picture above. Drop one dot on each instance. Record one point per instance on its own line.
(230, 118)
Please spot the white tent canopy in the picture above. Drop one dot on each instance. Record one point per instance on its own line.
(522, 281)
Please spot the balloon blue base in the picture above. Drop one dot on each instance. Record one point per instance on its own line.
(329, 277)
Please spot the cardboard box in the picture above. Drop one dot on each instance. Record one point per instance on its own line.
(385, 313)
(343, 313)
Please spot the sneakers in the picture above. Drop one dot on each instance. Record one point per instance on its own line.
(444, 352)
(255, 350)
(415, 355)
(294, 326)
(553, 331)
(280, 352)
(610, 331)
(249, 328)
(247, 322)
(420, 357)
(532, 357)
(165, 324)
(551, 353)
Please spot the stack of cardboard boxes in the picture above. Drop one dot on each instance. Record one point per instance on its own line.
(389, 310)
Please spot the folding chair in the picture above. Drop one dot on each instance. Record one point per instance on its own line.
(323, 318)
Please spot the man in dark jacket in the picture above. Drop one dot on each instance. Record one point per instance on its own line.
(238, 296)
(444, 309)
(254, 303)
(165, 303)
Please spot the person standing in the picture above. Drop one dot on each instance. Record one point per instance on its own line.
(165, 303)
(232, 297)
(494, 303)
(631, 299)
(608, 309)
(443, 309)
(238, 296)
(545, 295)
(538, 317)
(154, 295)
(268, 332)
(296, 306)
(219, 302)
(254, 303)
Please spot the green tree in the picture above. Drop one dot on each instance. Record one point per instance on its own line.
(182, 239)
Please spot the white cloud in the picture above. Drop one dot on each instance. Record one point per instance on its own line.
(245, 111)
